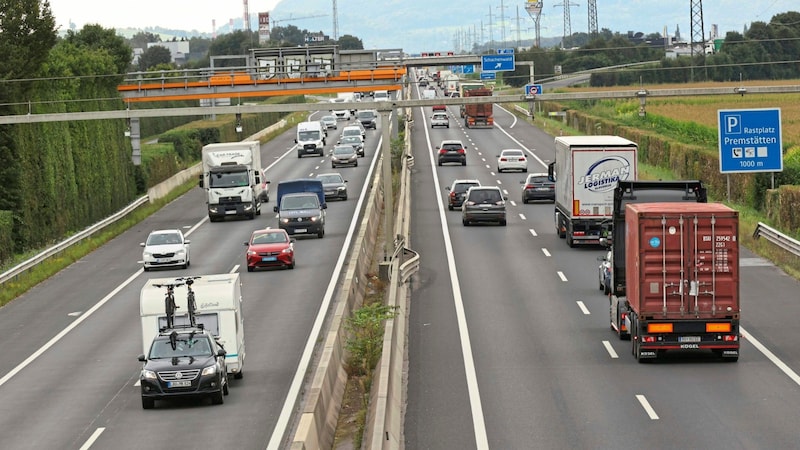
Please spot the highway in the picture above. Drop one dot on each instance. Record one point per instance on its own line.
(509, 339)
(70, 370)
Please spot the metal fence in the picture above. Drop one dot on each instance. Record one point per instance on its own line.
(783, 241)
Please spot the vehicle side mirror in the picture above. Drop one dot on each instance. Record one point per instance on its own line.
(505, 197)
(142, 358)
(274, 209)
(187, 241)
(246, 244)
(324, 206)
(292, 240)
(141, 244)
(551, 172)
(221, 352)
(200, 181)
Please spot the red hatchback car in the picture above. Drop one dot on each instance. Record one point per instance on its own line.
(270, 248)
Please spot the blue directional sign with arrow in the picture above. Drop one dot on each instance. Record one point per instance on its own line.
(497, 63)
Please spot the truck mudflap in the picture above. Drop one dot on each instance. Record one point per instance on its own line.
(653, 338)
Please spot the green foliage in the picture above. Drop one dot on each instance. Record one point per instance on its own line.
(6, 235)
(99, 39)
(155, 57)
(27, 33)
(366, 336)
(350, 42)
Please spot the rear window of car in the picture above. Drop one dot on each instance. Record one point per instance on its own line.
(512, 153)
(540, 180)
(452, 146)
(462, 187)
(485, 196)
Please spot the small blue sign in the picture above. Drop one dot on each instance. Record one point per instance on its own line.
(488, 76)
(505, 51)
(497, 63)
(533, 89)
(655, 242)
(750, 140)
(468, 69)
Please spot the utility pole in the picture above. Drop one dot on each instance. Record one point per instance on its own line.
(593, 18)
(335, 22)
(535, 11)
(697, 33)
(491, 30)
(519, 38)
(567, 25)
(502, 8)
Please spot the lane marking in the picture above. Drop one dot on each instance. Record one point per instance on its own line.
(771, 356)
(646, 405)
(505, 192)
(521, 216)
(546, 253)
(562, 276)
(610, 350)
(583, 308)
(86, 445)
(533, 232)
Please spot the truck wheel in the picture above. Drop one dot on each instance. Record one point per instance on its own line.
(238, 375)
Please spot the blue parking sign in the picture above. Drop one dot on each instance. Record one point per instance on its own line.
(750, 140)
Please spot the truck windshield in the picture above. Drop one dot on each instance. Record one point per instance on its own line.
(229, 179)
(308, 135)
(300, 202)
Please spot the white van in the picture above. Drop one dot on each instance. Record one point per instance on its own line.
(219, 310)
(381, 96)
(310, 139)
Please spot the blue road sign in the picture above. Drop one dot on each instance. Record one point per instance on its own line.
(533, 89)
(497, 63)
(488, 76)
(505, 51)
(469, 68)
(750, 140)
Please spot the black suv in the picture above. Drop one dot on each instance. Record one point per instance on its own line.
(484, 204)
(457, 190)
(185, 362)
(452, 151)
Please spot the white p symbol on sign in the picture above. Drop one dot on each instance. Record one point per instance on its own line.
(733, 124)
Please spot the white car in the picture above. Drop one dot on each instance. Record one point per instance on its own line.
(604, 272)
(329, 121)
(340, 114)
(440, 119)
(352, 130)
(512, 159)
(165, 248)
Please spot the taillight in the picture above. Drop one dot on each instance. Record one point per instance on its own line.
(452, 194)
(503, 159)
(461, 151)
(730, 338)
(648, 339)
(442, 151)
(529, 186)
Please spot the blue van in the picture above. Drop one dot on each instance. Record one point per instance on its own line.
(300, 185)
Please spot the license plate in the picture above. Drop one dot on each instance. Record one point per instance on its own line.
(232, 211)
(311, 150)
(542, 189)
(269, 258)
(300, 230)
(162, 260)
(688, 338)
(177, 384)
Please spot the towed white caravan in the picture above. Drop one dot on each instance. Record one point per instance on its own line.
(218, 309)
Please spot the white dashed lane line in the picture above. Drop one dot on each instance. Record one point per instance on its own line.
(646, 405)
(610, 350)
(583, 308)
(562, 276)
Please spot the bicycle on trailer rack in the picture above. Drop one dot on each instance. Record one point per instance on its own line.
(191, 304)
(169, 301)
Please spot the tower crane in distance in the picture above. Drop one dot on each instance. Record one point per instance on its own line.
(292, 19)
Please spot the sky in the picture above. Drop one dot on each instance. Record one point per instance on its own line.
(647, 16)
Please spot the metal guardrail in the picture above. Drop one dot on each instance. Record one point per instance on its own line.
(783, 241)
(410, 266)
(61, 246)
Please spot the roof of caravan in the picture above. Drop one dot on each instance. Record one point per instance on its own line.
(595, 141)
(212, 293)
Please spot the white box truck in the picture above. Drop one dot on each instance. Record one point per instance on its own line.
(232, 179)
(219, 310)
(585, 172)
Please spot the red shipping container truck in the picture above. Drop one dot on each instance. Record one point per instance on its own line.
(682, 271)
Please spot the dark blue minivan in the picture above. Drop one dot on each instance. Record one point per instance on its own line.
(300, 185)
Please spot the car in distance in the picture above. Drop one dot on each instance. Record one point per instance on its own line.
(483, 204)
(302, 213)
(329, 121)
(604, 272)
(512, 159)
(457, 190)
(269, 248)
(343, 155)
(354, 130)
(334, 184)
(185, 362)
(341, 114)
(263, 197)
(355, 141)
(537, 186)
(368, 118)
(452, 151)
(440, 119)
(165, 248)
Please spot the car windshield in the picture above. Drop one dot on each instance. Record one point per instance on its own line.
(328, 179)
(229, 179)
(164, 239)
(300, 202)
(343, 150)
(308, 135)
(269, 238)
(194, 346)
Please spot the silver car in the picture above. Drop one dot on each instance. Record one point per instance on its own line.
(334, 184)
(356, 142)
(440, 119)
(165, 248)
(344, 155)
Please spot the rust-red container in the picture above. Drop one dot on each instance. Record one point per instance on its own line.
(682, 260)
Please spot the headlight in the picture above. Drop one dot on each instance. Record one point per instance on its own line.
(251, 253)
(284, 220)
(213, 209)
(341, 188)
(180, 252)
(148, 375)
(287, 250)
(210, 370)
(146, 254)
(316, 218)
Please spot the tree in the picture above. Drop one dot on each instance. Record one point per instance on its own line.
(142, 38)
(95, 37)
(349, 42)
(237, 43)
(154, 56)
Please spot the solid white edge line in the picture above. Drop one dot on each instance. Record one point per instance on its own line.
(86, 445)
(476, 407)
(562, 276)
(546, 252)
(583, 308)
(610, 349)
(292, 397)
(771, 356)
(646, 405)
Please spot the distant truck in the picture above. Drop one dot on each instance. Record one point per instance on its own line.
(681, 278)
(478, 115)
(585, 171)
(450, 84)
(219, 310)
(232, 179)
